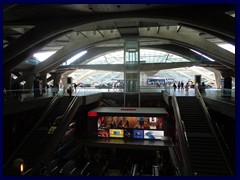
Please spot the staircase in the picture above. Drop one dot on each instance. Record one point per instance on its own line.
(33, 146)
(205, 154)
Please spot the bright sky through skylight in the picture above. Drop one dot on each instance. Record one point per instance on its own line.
(69, 61)
(210, 59)
(228, 47)
(43, 55)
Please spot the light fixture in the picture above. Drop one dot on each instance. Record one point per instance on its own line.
(21, 167)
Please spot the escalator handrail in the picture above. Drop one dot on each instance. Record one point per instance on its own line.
(70, 105)
(134, 170)
(42, 118)
(185, 152)
(175, 160)
(103, 169)
(64, 146)
(85, 167)
(215, 129)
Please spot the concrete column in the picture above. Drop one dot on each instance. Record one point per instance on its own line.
(227, 83)
(56, 79)
(29, 82)
(218, 76)
(44, 80)
(64, 81)
(64, 78)
(218, 79)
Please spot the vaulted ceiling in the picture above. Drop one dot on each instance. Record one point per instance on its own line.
(70, 28)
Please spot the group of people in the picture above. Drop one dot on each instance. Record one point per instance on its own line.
(180, 85)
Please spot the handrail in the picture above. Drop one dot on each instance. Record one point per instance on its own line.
(184, 147)
(43, 116)
(70, 106)
(63, 147)
(27, 172)
(28, 93)
(103, 169)
(85, 167)
(134, 170)
(214, 128)
(175, 160)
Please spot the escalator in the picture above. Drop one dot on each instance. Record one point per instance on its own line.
(109, 102)
(31, 148)
(206, 157)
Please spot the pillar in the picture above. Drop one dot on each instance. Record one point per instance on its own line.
(226, 83)
(64, 79)
(218, 79)
(29, 82)
(56, 79)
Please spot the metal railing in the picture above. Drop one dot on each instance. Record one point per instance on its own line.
(217, 134)
(29, 94)
(175, 160)
(226, 95)
(184, 147)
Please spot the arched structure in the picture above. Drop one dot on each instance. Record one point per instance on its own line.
(175, 28)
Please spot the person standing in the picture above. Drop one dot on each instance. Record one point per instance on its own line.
(75, 87)
(187, 88)
(69, 91)
(174, 87)
(182, 85)
(179, 85)
(203, 88)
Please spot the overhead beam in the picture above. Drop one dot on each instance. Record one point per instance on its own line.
(224, 25)
(120, 67)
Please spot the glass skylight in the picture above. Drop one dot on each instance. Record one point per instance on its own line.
(42, 56)
(146, 56)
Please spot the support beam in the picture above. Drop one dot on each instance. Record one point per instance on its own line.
(143, 67)
(224, 25)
